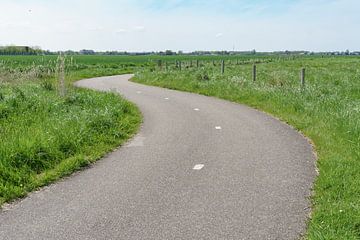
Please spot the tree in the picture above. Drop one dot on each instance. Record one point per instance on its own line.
(87, 52)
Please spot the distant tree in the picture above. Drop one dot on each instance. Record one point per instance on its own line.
(69, 52)
(87, 52)
(169, 52)
(19, 50)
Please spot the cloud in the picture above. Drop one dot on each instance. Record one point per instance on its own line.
(131, 30)
(218, 35)
(139, 28)
(96, 28)
(20, 24)
(121, 31)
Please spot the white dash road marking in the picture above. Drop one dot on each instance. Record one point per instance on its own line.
(166, 98)
(218, 128)
(196, 109)
(138, 92)
(198, 166)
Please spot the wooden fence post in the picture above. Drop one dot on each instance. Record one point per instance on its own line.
(254, 73)
(160, 64)
(180, 65)
(197, 63)
(61, 72)
(222, 66)
(302, 77)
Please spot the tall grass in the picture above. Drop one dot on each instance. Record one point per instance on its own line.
(46, 135)
(327, 110)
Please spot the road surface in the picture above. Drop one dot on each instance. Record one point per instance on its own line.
(200, 168)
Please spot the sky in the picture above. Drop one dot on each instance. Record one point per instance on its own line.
(158, 25)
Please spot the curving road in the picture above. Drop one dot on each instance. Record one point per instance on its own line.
(200, 168)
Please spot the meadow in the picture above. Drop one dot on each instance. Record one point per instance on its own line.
(45, 136)
(326, 109)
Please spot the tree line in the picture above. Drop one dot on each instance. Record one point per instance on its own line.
(26, 50)
(20, 50)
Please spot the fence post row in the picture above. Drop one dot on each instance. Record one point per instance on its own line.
(178, 64)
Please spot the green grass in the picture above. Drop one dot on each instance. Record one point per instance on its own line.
(327, 111)
(45, 136)
(77, 67)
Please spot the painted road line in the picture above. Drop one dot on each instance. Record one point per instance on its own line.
(138, 92)
(218, 128)
(196, 109)
(198, 166)
(166, 98)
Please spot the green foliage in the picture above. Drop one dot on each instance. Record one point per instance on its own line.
(327, 110)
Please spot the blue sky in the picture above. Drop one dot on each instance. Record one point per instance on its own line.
(145, 25)
(216, 6)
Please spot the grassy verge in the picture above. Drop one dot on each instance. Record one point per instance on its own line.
(45, 136)
(327, 111)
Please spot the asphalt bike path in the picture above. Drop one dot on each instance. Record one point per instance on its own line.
(199, 168)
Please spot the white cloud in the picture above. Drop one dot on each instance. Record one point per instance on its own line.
(121, 30)
(96, 28)
(139, 28)
(219, 35)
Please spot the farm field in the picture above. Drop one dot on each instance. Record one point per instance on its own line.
(326, 109)
(47, 136)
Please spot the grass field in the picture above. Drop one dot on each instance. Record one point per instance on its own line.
(327, 110)
(45, 136)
